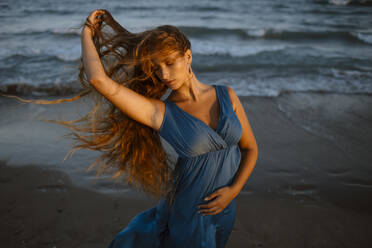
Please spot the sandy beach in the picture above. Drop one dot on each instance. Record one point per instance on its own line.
(302, 70)
(311, 187)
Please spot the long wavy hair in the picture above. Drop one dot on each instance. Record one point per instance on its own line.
(127, 146)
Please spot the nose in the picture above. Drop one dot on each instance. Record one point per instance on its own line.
(163, 73)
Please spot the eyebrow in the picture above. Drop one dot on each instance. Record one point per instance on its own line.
(166, 60)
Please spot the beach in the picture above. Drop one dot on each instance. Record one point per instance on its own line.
(311, 187)
(302, 70)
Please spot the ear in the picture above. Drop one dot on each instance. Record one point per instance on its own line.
(188, 56)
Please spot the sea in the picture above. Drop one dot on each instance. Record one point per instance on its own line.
(258, 47)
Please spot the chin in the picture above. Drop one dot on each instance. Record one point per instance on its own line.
(174, 85)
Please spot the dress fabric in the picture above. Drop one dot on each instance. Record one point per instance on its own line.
(207, 160)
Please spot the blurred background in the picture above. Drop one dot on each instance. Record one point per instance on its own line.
(259, 47)
(317, 53)
(302, 70)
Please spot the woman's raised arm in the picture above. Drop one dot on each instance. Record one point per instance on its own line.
(148, 111)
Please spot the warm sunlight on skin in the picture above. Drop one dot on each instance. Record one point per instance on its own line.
(173, 70)
(196, 98)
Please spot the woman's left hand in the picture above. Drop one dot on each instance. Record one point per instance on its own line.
(222, 198)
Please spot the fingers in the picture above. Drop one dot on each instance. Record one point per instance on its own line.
(96, 15)
(211, 196)
(99, 12)
(209, 208)
(214, 212)
(210, 211)
(95, 20)
(208, 205)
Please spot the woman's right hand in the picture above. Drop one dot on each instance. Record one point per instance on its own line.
(95, 19)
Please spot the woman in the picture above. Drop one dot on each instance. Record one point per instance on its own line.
(206, 125)
(127, 74)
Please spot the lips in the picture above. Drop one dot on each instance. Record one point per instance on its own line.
(168, 82)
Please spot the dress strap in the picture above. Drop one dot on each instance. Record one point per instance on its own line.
(225, 100)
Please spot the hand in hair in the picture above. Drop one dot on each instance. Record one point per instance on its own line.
(94, 20)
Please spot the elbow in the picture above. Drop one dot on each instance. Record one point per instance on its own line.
(251, 150)
(95, 80)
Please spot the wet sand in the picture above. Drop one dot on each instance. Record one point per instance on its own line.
(311, 187)
(41, 208)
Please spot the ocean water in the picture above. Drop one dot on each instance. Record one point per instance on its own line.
(258, 47)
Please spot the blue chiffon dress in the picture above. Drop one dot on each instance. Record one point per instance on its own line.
(207, 160)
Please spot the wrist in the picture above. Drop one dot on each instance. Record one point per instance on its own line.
(235, 191)
(87, 31)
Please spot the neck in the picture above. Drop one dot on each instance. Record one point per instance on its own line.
(190, 90)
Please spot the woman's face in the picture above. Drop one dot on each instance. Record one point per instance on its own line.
(173, 70)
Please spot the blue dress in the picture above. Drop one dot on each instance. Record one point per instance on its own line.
(207, 160)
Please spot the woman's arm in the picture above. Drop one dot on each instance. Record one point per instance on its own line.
(143, 109)
(247, 145)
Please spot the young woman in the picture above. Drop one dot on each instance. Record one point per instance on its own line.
(205, 124)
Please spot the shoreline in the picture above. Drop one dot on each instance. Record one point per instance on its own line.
(311, 185)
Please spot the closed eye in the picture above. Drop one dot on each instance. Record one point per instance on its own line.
(168, 63)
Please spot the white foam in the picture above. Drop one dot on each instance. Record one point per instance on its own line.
(339, 2)
(363, 36)
(257, 32)
(235, 49)
(66, 51)
(262, 32)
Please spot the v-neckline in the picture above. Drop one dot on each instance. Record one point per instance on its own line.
(205, 124)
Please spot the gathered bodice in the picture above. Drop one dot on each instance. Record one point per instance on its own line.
(190, 136)
(208, 160)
